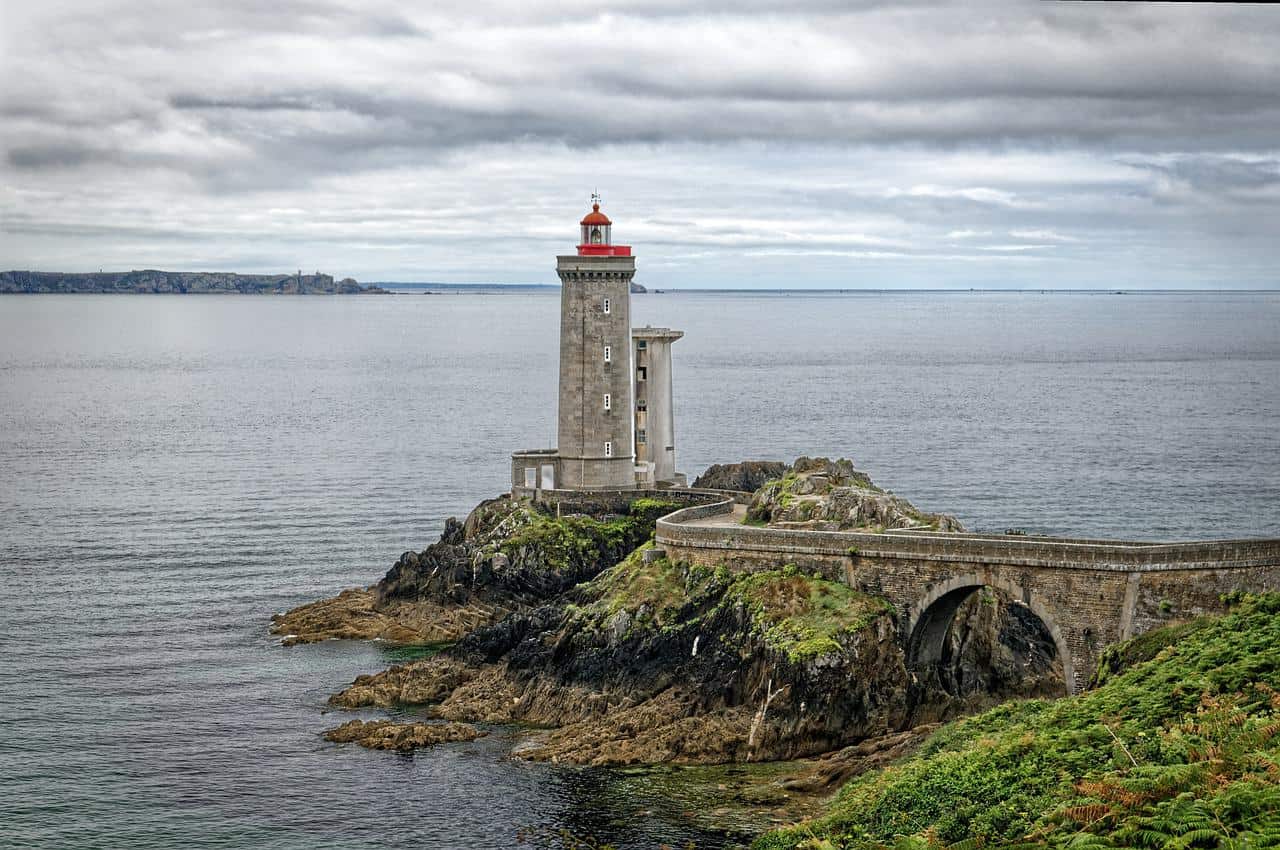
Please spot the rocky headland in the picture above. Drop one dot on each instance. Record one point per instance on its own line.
(575, 625)
(150, 281)
(507, 557)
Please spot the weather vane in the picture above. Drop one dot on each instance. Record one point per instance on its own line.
(595, 197)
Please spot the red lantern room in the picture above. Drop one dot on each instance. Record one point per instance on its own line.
(597, 238)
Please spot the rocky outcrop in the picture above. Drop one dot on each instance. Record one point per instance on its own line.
(829, 495)
(403, 737)
(151, 281)
(662, 662)
(659, 663)
(355, 615)
(746, 477)
(622, 656)
(832, 770)
(507, 556)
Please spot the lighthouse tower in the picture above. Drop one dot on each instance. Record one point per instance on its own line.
(596, 440)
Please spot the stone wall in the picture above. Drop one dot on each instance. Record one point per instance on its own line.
(617, 501)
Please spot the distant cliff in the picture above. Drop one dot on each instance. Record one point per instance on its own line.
(152, 281)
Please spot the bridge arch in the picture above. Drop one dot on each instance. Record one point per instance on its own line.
(930, 619)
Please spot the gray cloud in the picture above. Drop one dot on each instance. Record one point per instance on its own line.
(1140, 139)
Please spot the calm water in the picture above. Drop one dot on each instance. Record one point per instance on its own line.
(173, 470)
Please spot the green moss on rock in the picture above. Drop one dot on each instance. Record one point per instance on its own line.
(804, 616)
(568, 540)
(800, 616)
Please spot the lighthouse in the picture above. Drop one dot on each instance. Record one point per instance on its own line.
(615, 382)
(596, 439)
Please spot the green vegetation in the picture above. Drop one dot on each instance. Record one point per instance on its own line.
(1179, 751)
(799, 615)
(657, 586)
(571, 541)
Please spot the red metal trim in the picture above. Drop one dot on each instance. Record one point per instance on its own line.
(604, 250)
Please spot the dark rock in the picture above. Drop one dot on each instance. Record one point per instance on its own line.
(829, 495)
(748, 476)
(404, 737)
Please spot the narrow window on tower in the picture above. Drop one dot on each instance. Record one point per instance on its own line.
(608, 402)
(642, 373)
(641, 437)
(608, 354)
(608, 449)
(606, 305)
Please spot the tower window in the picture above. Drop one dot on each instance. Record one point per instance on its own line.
(608, 448)
(641, 404)
(640, 436)
(606, 305)
(642, 373)
(608, 354)
(642, 344)
(608, 402)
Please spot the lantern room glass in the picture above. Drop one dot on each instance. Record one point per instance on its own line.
(597, 234)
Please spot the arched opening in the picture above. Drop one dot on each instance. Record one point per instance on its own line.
(596, 236)
(975, 641)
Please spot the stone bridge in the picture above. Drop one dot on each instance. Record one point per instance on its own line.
(1088, 593)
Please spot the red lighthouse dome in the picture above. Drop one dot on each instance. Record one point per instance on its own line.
(596, 217)
(597, 236)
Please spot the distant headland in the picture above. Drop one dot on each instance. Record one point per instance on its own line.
(150, 281)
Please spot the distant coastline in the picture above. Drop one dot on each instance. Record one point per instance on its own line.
(154, 282)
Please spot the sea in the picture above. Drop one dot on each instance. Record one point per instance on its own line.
(175, 469)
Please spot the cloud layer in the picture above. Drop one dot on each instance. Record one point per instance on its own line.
(737, 144)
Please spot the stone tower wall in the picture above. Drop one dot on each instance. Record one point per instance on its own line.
(585, 329)
(659, 414)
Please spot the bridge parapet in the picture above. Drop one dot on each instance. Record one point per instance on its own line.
(1089, 593)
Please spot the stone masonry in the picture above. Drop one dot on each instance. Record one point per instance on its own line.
(1088, 593)
(595, 440)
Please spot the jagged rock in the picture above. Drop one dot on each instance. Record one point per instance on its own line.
(748, 476)
(354, 615)
(507, 556)
(831, 495)
(616, 673)
(404, 737)
(786, 665)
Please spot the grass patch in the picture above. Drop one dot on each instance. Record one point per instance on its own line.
(801, 615)
(633, 584)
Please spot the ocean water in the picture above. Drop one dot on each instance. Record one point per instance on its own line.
(173, 470)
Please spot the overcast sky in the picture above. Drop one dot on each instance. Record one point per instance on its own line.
(736, 144)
